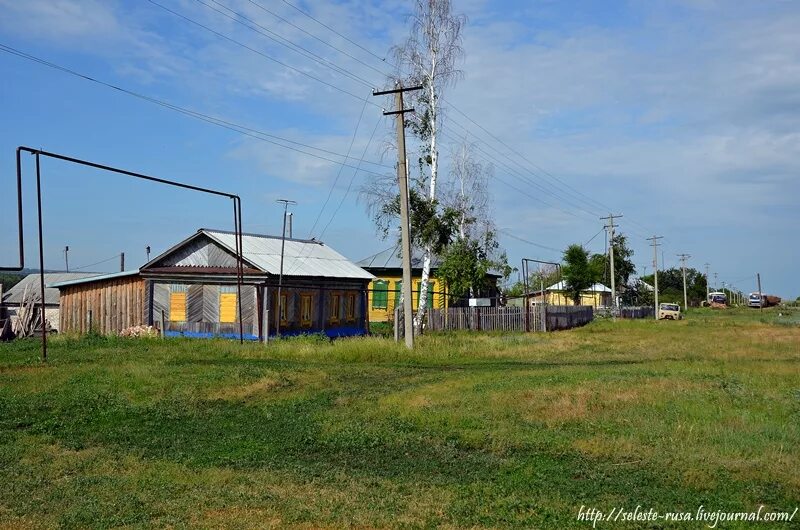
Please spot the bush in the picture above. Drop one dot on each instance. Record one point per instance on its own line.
(381, 329)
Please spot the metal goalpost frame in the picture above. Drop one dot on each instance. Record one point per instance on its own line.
(37, 153)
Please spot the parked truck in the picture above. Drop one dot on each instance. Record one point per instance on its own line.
(762, 300)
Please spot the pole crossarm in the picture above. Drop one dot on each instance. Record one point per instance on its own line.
(398, 89)
(38, 153)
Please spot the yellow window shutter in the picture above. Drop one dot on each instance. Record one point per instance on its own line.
(177, 306)
(227, 307)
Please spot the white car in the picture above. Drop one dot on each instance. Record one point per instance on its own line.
(669, 312)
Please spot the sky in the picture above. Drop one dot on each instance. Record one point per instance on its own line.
(684, 116)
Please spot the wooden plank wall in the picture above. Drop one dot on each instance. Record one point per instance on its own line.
(115, 305)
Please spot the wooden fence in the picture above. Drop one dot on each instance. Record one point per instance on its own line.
(507, 318)
(627, 312)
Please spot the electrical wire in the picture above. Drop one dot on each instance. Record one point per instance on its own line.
(293, 6)
(352, 179)
(323, 41)
(523, 240)
(239, 18)
(339, 173)
(241, 129)
(594, 236)
(260, 53)
(115, 256)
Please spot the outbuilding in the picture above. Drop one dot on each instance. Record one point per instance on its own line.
(191, 289)
(13, 299)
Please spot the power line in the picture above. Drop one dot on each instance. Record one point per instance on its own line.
(352, 179)
(522, 157)
(323, 41)
(115, 256)
(576, 193)
(339, 173)
(262, 54)
(239, 18)
(587, 200)
(594, 236)
(523, 240)
(564, 195)
(520, 190)
(241, 129)
(293, 6)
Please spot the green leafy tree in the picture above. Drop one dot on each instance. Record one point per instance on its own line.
(670, 285)
(577, 273)
(624, 267)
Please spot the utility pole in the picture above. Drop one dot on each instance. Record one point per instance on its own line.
(66, 258)
(707, 283)
(760, 294)
(610, 228)
(405, 227)
(291, 216)
(122, 262)
(684, 257)
(715, 281)
(286, 204)
(655, 244)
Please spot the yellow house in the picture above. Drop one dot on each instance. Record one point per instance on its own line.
(384, 291)
(598, 295)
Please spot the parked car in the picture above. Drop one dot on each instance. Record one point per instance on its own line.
(669, 312)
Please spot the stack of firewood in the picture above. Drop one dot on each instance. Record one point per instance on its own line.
(29, 316)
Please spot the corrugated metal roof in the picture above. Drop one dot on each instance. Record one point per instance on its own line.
(302, 257)
(14, 295)
(92, 278)
(390, 259)
(596, 288)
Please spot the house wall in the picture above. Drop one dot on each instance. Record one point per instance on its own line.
(201, 304)
(329, 303)
(383, 314)
(115, 305)
(52, 314)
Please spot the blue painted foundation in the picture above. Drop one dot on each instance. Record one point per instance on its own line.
(331, 333)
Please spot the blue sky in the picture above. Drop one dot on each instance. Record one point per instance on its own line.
(682, 115)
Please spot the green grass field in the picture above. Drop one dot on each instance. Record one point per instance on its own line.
(483, 431)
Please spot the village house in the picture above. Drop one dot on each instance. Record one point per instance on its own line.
(598, 295)
(385, 289)
(192, 289)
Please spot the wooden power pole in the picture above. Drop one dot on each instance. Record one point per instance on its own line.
(286, 203)
(655, 244)
(610, 228)
(405, 226)
(684, 257)
(760, 294)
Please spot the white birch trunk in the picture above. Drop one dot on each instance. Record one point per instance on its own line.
(428, 251)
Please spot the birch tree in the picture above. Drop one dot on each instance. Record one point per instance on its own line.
(429, 56)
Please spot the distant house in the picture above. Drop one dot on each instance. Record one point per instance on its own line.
(598, 295)
(192, 288)
(13, 298)
(385, 289)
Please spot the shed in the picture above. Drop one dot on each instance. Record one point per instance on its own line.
(12, 299)
(192, 288)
